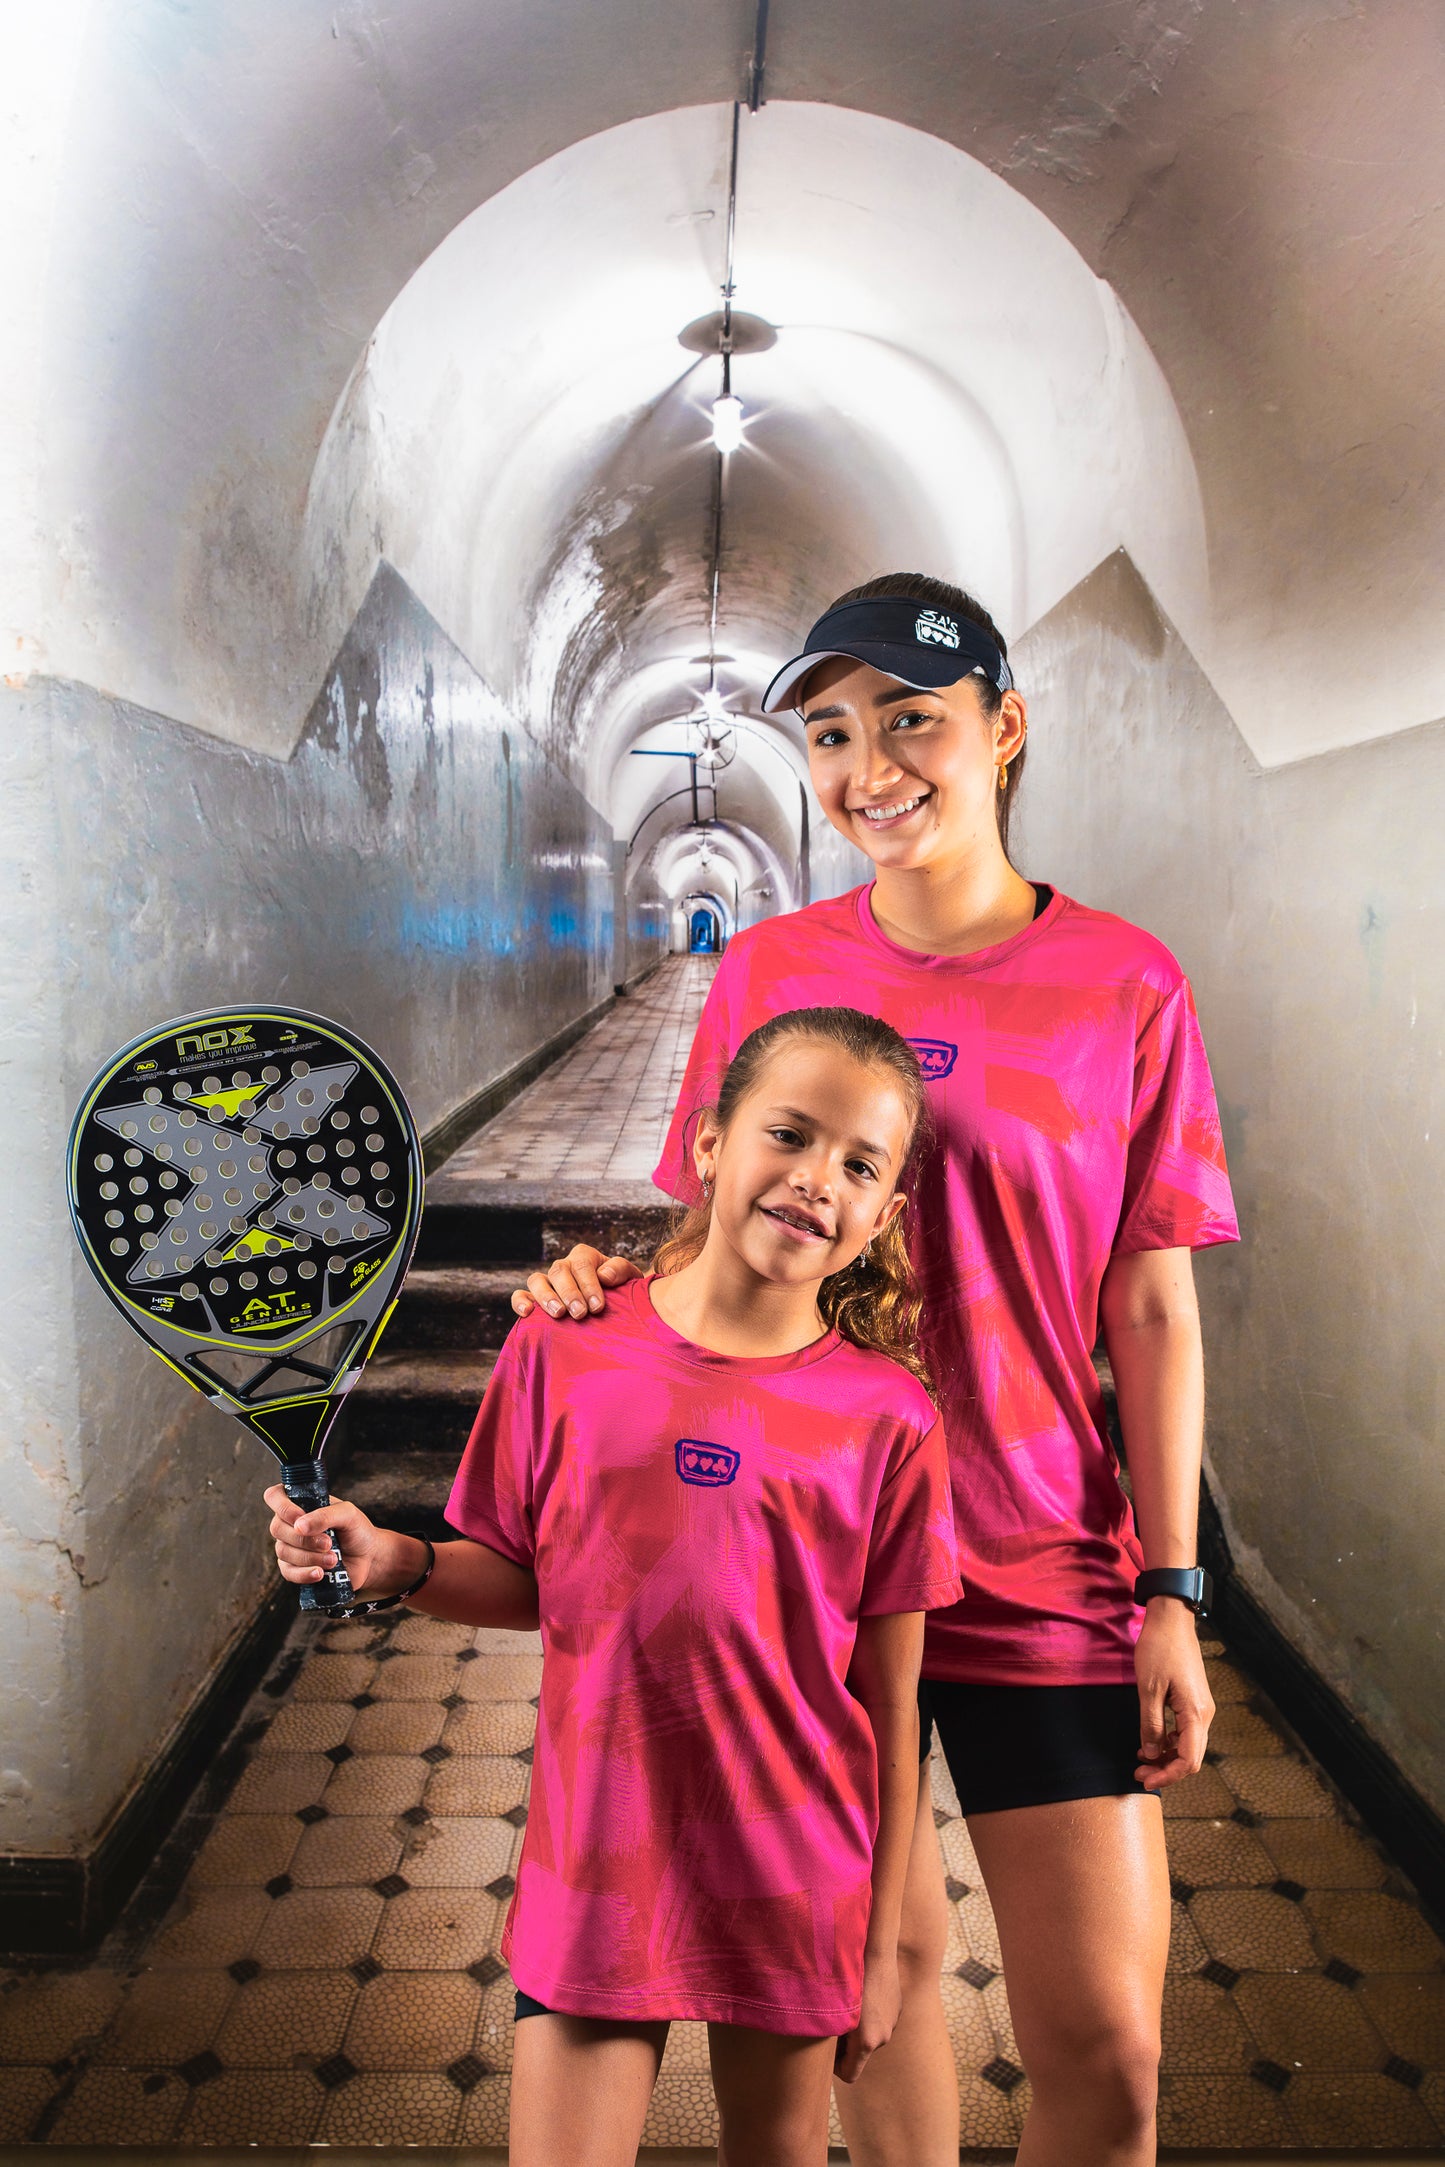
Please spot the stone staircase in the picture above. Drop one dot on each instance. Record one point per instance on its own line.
(407, 1421)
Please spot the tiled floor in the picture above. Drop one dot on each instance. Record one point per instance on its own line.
(599, 1115)
(328, 1972)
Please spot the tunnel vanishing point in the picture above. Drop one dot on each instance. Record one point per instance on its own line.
(385, 634)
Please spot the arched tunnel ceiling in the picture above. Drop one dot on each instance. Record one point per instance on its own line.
(218, 207)
(528, 443)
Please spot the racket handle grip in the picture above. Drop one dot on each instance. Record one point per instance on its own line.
(305, 1482)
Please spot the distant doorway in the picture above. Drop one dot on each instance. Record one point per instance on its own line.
(702, 933)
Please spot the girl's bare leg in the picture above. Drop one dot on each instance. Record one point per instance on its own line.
(903, 2111)
(772, 2097)
(1081, 1895)
(580, 2090)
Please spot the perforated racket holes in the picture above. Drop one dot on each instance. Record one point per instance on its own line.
(103, 1162)
(151, 1096)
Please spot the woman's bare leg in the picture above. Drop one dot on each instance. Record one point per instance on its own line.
(903, 2111)
(772, 2097)
(1081, 1895)
(580, 2090)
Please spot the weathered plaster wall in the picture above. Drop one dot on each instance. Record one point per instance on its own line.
(1308, 905)
(416, 869)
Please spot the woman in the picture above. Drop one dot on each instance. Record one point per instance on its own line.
(1077, 1163)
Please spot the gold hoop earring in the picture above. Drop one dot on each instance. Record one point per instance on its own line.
(1003, 775)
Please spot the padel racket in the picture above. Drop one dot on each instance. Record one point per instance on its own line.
(246, 1185)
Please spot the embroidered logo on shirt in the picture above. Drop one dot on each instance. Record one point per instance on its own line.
(935, 630)
(710, 1467)
(935, 1057)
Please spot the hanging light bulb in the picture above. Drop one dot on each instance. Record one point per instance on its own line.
(727, 422)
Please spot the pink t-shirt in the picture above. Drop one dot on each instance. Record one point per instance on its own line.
(706, 1533)
(1075, 1120)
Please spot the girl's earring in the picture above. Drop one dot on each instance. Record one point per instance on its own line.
(1003, 775)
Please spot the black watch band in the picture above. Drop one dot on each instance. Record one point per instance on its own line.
(1190, 1584)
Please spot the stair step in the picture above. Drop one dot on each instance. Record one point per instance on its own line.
(406, 1490)
(456, 1306)
(416, 1403)
(470, 1230)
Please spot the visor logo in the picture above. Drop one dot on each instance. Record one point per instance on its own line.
(708, 1467)
(935, 1057)
(935, 630)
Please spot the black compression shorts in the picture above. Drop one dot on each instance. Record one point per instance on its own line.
(1031, 1745)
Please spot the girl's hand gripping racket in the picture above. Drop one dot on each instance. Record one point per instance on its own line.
(246, 1185)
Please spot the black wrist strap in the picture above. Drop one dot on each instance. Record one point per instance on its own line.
(403, 1595)
(1189, 1584)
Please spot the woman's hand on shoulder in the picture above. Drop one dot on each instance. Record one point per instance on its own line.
(1171, 1675)
(576, 1285)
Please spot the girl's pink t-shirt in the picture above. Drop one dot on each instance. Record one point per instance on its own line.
(706, 1533)
(1075, 1120)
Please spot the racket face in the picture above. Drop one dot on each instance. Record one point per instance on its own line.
(246, 1185)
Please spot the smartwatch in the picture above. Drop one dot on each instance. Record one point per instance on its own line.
(1191, 1584)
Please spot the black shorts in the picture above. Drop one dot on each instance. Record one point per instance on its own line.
(1031, 1745)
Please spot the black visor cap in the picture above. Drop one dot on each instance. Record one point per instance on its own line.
(910, 641)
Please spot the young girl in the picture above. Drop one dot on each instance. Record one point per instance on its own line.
(1078, 1163)
(730, 1510)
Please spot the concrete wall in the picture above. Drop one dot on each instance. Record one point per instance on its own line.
(1307, 903)
(416, 869)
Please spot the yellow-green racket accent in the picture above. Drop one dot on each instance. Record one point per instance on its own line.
(246, 1185)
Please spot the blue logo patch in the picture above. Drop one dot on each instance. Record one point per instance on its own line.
(710, 1467)
(935, 1057)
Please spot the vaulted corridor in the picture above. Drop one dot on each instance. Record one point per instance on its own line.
(427, 430)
